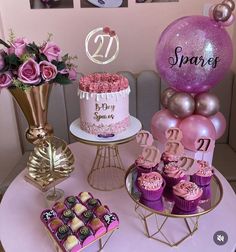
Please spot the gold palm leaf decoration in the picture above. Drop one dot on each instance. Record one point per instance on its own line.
(50, 163)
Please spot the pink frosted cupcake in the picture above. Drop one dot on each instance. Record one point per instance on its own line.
(203, 176)
(151, 185)
(167, 157)
(186, 196)
(172, 174)
(144, 166)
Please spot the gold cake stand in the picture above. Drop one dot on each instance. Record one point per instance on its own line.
(107, 172)
(164, 226)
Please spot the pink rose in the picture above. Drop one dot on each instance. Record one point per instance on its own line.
(29, 72)
(18, 47)
(48, 70)
(51, 51)
(72, 74)
(5, 80)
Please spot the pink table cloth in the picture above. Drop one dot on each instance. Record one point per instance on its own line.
(21, 229)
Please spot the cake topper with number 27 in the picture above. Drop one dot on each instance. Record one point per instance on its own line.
(150, 154)
(173, 144)
(102, 45)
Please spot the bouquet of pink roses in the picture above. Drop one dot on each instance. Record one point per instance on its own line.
(25, 64)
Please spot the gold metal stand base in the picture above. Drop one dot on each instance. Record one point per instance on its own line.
(107, 172)
(155, 224)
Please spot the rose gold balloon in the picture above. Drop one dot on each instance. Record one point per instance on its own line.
(165, 96)
(230, 3)
(222, 12)
(229, 22)
(181, 105)
(207, 104)
(219, 122)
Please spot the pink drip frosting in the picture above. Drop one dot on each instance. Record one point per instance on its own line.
(205, 170)
(140, 161)
(172, 170)
(187, 190)
(166, 156)
(103, 83)
(150, 181)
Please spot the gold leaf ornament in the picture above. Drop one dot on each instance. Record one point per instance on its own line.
(50, 161)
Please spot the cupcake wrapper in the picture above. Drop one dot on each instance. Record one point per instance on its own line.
(176, 210)
(186, 205)
(200, 180)
(170, 182)
(141, 169)
(206, 192)
(156, 205)
(168, 193)
(152, 195)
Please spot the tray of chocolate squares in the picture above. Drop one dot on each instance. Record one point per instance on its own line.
(78, 222)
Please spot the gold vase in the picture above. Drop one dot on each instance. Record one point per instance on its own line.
(34, 104)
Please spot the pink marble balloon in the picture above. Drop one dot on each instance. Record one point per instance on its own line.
(161, 121)
(193, 54)
(195, 127)
(219, 122)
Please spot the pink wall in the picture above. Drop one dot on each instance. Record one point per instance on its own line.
(138, 27)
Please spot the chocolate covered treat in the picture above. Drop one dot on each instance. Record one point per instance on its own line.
(95, 224)
(87, 216)
(67, 215)
(55, 224)
(70, 201)
(84, 196)
(100, 211)
(71, 242)
(83, 233)
(79, 209)
(62, 232)
(92, 203)
(75, 224)
(59, 207)
(48, 215)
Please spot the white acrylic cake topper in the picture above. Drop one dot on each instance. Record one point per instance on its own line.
(105, 39)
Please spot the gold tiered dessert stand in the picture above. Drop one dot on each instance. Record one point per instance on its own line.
(107, 172)
(164, 226)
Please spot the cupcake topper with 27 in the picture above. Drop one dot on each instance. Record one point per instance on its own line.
(204, 145)
(194, 53)
(144, 138)
(104, 44)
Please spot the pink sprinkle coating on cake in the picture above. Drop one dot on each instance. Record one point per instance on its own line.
(187, 190)
(205, 170)
(150, 181)
(172, 170)
(103, 83)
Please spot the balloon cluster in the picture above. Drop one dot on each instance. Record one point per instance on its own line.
(182, 104)
(223, 12)
(193, 54)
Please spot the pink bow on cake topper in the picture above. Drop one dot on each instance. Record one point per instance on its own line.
(107, 30)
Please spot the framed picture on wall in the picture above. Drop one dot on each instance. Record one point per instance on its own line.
(155, 1)
(50, 4)
(103, 3)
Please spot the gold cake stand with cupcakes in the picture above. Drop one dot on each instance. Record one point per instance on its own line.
(164, 226)
(107, 172)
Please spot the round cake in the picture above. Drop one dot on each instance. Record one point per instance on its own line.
(104, 103)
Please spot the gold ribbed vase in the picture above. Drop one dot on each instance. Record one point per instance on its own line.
(34, 104)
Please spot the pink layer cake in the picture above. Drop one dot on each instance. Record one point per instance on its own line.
(104, 103)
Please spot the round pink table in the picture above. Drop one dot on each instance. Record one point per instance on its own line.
(21, 229)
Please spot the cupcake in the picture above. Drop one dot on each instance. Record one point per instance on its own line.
(144, 166)
(70, 242)
(172, 174)
(96, 224)
(151, 185)
(75, 224)
(167, 157)
(100, 211)
(203, 176)
(55, 224)
(84, 196)
(79, 208)
(186, 196)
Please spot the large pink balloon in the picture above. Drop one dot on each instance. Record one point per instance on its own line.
(219, 123)
(195, 127)
(193, 54)
(161, 121)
